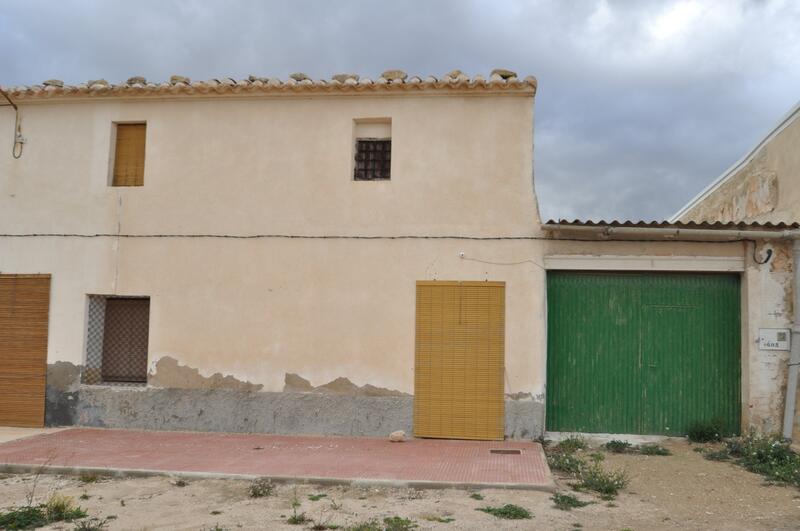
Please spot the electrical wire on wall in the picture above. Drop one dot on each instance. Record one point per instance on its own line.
(463, 256)
(755, 257)
(19, 141)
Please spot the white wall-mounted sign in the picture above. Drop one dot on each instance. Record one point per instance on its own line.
(774, 338)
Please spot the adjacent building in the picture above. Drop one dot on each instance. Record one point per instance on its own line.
(764, 186)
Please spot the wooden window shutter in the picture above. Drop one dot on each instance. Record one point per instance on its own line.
(460, 366)
(24, 307)
(129, 155)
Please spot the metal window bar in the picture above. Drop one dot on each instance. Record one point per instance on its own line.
(373, 159)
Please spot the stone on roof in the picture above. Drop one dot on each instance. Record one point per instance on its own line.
(391, 75)
(391, 81)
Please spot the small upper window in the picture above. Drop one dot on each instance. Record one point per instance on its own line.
(373, 159)
(129, 155)
(373, 150)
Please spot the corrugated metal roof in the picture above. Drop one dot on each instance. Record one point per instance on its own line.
(673, 225)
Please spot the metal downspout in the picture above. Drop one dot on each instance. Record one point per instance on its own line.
(794, 358)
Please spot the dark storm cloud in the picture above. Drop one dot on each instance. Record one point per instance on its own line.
(640, 104)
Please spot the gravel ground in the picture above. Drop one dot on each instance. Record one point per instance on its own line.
(682, 491)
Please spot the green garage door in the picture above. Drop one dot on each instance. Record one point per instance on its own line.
(645, 353)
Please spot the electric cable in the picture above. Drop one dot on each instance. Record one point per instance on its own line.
(17, 128)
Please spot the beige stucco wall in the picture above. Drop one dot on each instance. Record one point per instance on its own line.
(282, 165)
(765, 188)
(259, 308)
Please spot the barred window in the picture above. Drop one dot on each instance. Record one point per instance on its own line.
(125, 338)
(373, 159)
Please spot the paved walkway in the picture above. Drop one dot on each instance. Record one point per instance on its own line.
(12, 434)
(414, 463)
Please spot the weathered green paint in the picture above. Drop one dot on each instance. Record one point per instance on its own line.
(645, 353)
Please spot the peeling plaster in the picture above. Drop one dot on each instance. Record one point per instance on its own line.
(519, 396)
(294, 383)
(751, 193)
(63, 376)
(169, 373)
(61, 393)
(781, 261)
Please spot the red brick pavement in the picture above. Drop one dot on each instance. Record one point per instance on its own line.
(417, 462)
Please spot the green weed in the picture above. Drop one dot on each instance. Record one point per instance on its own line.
(370, 525)
(23, 518)
(718, 455)
(508, 511)
(567, 502)
(703, 431)
(92, 524)
(572, 444)
(653, 449)
(476, 496)
(617, 446)
(438, 519)
(261, 488)
(565, 462)
(768, 455)
(296, 518)
(396, 523)
(607, 483)
(59, 508)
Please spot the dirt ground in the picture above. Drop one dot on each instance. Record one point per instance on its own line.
(682, 491)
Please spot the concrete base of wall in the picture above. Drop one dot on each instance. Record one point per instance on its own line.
(241, 411)
(286, 413)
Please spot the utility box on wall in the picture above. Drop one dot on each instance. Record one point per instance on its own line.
(774, 338)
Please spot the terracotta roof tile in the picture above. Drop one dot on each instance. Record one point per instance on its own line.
(297, 83)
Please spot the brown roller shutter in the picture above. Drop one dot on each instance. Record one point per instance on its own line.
(459, 367)
(125, 337)
(24, 305)
(129, 155)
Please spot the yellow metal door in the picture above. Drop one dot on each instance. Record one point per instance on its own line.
(459, 362)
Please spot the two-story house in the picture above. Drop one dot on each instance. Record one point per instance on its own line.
(349, 256)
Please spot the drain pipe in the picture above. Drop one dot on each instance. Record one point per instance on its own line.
(606, 231)
(794, 358)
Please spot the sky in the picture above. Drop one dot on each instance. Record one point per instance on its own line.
(641, 104)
